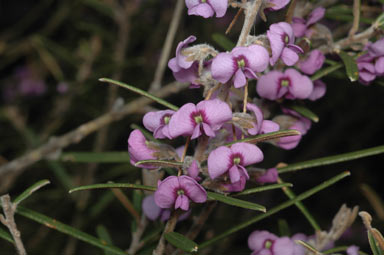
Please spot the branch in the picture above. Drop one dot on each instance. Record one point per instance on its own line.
(250, 17)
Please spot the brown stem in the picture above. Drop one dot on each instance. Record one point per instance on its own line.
(291, 11)
(356, 18)
(250, 17)
(169, 227)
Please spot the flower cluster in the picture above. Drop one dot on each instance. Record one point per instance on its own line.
(371, 64)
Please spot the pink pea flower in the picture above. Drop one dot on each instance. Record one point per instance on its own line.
(282, 39)
(319, 89)
(236, 186)
(154, 212)
(240, 63)
(353, 250)
(301, 27)
(207, 116)
(299, 249)
(233, 160)
(371, 64)
(157, 122)
(206, 8)
(270, 176)
(276, 4)
(261, 126)
(290, 84)
(194, 170)
(184, 70)
(312, 63)
(177, 191)
(139, 150)
(265, 243)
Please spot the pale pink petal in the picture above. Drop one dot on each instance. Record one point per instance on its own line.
(316, 15)
(289, 56)
(208, 130)
(249, 73)
(191, 3)
(138, 150)
(313, 63)
(220, 7)
(257, 239)
(270, 176)
(194, 170)
(180, 58)
(234, 174)
(299, 249)
(192, 189)
(237, 186)
(301, 86)
(250, 152)
(150, 208)
(153, 120)
(377, 49)
(319, 89)
(202, 9)
(166, 193)
(196, 132)
(276, 42)
(223, 67)
(215, 112)
(287, 28)
(379, 66)
(172, 64)
(269, 126)
(268, 85)
(353, 250)
(278, 4)
(239, 79)
(181, 122)
(219, 161)
(259, 62)
(187, 75)
(283, 246)
(182, 202)
(243, 171)
(257, 113)
(299, 27)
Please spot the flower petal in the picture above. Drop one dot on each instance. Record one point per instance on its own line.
(150, 208)
(234, 174)
(219, 161)
(313, 63)
(239, 79)
(259, 59)
(270, 176)
(250, 152)
(220, 7)
(257, 239)
(191, 3)
(289, 56)
(208, 130)
(301, 86)
(192, 189)
(283, 246)
(277, 44)
(182, 202)
(379, 66)
(181, 122)
(269, 126)
(319, 89)
(223, 67)
(316, 15)
(268, 85)
(202, 9)
(215, 111)
(165, 195)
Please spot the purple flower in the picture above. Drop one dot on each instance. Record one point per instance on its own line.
(270, 176)
(139, 150)
(290, 84)
(177, 191)
(353, 250)
(319, 89)
(314, 62)
(261, 126)
(236, 186)
(29, 82)
(233, 160)
(281, 39)
(157, 122)
(154, 212)
(240, 63)
(206, 8)
(207, 116)
(265, 243)
(184, 70)
(371, 64)
(299, 249)
(276, 4)
(302, 28)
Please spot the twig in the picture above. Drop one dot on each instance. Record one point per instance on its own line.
(169, 227)
(156, 84)
(291, 11)
(356, 18)
(9, 221)
(250, 16)
(127, 204)
(135, 243)
(234, 21)
(56, 144)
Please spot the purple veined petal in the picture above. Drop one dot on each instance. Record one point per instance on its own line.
(196, 132)
(367, 66)
(259, 62)
(187, 75)
(138, 150)
(277, 44)
(316, 15)
(269, 126)
(243, 172)
(258, 114)
(166, 193)
(295, 48)
(270, 176)
(353, 250)
(283, 246)
(223, 67)
(150, 208)
(257, 239)
(182, 202)
(376, 49)
(287, 28)
(181, 122)
(191, 3)
(235, 187)
(234, 174)
(250, 152)
(313, 63)
(208, 130)
(165, 132)
(289, 56)
(301, 86)
(219, 6)
(181, 60)
(153, 120)
(219, 161)
(249, 73)
(239, 80)
(379, 66)
(194, 170)
(192, 189)
(172, 64)
(202, 9)
(299, 27)
(278, 4)
(290, 142)
(268, 85)
(215, 111)
(319, 89)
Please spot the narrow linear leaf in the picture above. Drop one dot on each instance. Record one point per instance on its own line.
(350, 66)
(263, 188)
(236, 202)
(380, 20)
(374, 199)
(141, 92)
(96, 157)
(113, 185)
(276, 209)
(266, 137)
(323, 72)
(283, 227)
(104, 236)
(332, 159)
(308, 247)
(160, 163)
(372, 243)
(305, 112)
(5, 235)
(30, 191)
(61, 227)
(181, 242)
(223, 41)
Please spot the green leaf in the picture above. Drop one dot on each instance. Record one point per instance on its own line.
(104, 236)
(266, 137)
(350, 66)
(305, 112)
(30, 191)
(5, 235)
(276, 209)
(96, 157)
(380, 20)
(235, 202)
(113, 185)
(181, 242)
(263, 188)
(160, 163)
(283, 227)
(223, 41)
(323, 72)
(61, 227)
(141, 92)
(332, 159)
(372, 243)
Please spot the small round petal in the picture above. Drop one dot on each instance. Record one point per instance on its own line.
(193, 190)
(289, 56)
(223, 67)
(319, 89)
(196, 132)
(260, 62)
(269, 126)
(187, 75)
(237, 186)
(250, 152)
(299, 27)
(283, 246)
(166, 193)
(216, 112)
(278, 4)
(172, 64)
(270, 176)
(313, 63)
(353, 250)
(277, 44)
(219, 161)
(268, 85)
(202, 9)
(208, 130)
(138, 150)
(234, 174)
(316, 15)
(182, 202)
(301, 86)
(299, 249)
(191, 3)
(239, 79)
(150, 208)
(376, 49)
(154, 120)
(379, 66)
(219, 6)
(257, 239)
(181, 122)
(287, 28)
